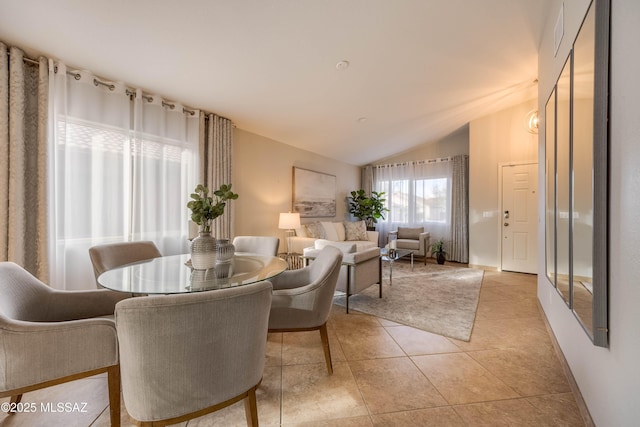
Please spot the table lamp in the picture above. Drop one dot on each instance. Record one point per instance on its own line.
(289, 221)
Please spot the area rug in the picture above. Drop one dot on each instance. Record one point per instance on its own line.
(436, 298)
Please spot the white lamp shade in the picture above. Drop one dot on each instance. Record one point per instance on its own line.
(289, 221)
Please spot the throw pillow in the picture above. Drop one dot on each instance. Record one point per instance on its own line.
(356, 230)
(410, 233)
(339, 226)
(330, 232)
(315, 230)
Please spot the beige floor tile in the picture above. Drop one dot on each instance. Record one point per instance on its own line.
(501, 333)
(310, 394)
(81, 401)
(531, 371)
(363, 421)
(368, 343)
(415, 341)
(354, 320)
(460, 379)
(434, 417)
(274, 350)
(515, 412)
(391, 385)
(499, 309)
(306, 347)
(268, 397)
(558, 409)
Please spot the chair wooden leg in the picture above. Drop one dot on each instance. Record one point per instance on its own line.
(251, 408)
(113, 378)
(15, 399)
(325, 345)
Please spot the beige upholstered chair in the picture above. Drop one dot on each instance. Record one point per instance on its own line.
(263, 245)
(112, 255)
(302, 299)
(183, 356)
(49, 337)
(414, 238)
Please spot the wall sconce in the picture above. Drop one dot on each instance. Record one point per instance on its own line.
(532, 121)
(289, 221)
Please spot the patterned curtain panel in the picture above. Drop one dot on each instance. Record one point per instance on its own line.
(216, 151)
(23, 161)
(367, 179)
(460, 209)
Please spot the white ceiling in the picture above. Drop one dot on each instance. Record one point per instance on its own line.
(419, 69)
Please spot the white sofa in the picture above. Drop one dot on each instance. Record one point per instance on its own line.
(336, 231)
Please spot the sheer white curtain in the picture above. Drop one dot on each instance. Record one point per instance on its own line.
(164, 157)
(122, 171)
(433, 194)
(418, 195)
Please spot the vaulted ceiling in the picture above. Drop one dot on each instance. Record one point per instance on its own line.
(416, 69)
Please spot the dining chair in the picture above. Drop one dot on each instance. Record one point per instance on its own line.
(183, 356)
(302, 298)
(262, 245)
(109, 256)
(49, 337)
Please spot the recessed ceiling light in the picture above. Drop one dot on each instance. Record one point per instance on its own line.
(342, 65)
(362, 119)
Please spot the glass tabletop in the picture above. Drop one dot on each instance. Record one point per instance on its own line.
(173, 275)
(397, 254)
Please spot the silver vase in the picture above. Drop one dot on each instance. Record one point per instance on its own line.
(224, 257)
(203, 251)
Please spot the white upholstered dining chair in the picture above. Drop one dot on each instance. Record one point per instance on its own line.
(112, 255)
(302, 299)
(262, 245)
(186, 355)
(49, 337)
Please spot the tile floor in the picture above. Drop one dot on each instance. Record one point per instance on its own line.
(386, 374)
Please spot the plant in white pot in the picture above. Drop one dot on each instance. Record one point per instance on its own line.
(204, 209)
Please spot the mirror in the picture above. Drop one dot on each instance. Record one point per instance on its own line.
(576, 146)
(550, 179)
(563, 172)
(582, 155)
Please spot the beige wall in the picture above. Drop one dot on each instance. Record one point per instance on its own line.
(453, 144)
(493, 140)
(262, 176)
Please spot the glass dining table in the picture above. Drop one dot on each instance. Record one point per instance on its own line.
(173, 274)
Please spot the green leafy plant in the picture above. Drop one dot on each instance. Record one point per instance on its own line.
(438, 248)
(370, 209)
(206, 208)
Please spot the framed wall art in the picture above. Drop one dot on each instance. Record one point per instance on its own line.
(314, 193)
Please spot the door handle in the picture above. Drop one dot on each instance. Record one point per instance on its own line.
(506, 224)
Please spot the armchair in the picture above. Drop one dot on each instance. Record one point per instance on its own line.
(49, 337)
(302, 298)
(415, 239)
(186, 355)
(113, 255)
(264, 245)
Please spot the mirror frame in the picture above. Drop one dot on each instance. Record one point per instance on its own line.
(598, 331)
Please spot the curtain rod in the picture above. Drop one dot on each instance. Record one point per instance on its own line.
(25, 58)
(129, 92)
(416, 162)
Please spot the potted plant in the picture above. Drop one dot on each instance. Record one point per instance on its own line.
(206, 208)
(370, 209)
(205, 250)
(437, 249)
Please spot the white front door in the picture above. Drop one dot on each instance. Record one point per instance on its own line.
(520, 218)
